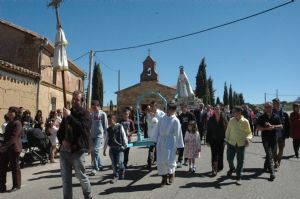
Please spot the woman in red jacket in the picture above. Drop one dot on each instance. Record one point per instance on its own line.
(11, 149)
(295, 128)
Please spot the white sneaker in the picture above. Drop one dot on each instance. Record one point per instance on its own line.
(93, 172)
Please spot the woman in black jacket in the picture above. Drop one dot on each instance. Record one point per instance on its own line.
(11, 149)
(216, 127)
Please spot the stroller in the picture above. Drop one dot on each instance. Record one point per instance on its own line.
(36, 148)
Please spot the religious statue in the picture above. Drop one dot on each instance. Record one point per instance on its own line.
(184, 89)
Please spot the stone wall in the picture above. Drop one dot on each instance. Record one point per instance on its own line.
(47, 93)
(70, 78)
(14, 93)
(129, 97)
(18, 48)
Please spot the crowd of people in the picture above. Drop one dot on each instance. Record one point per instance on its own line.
(178, 135)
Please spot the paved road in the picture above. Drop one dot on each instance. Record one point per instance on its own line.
(44, 181)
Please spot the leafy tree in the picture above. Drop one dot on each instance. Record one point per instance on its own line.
(97, 84)
(225, 95)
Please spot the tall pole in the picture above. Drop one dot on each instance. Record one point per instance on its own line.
(89, 98)
(276, 93)
(119, 80)
(55, 5)
(265, 97)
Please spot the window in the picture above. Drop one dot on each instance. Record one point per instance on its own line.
(79, 85)
(54, 77)
(53, 103)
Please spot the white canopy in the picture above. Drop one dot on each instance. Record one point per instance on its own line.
(60, 59)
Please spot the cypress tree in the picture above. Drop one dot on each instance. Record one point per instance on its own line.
(111, 106)
(211, 91)
(235, 100)
(230, 97)
(241, 99)
(97, 84)
(218, 101)
(207, 99)
(201, 82)
(225, 95)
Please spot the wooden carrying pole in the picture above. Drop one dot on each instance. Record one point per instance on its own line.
(64, 88)
(55, 4)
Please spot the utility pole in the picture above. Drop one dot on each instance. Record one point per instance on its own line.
(89, 97)
(265, 97)
(276, 93)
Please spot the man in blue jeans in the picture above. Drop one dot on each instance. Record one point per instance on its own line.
(74, 137)
(237, 136)
(98, 132)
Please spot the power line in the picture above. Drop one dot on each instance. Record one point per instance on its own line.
(195, 33)
(191, 34)
(107, 66)
(292, 95)
(81, 56)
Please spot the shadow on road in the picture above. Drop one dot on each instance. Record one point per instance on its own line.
(253, 173)
(288, 157)
(134, 174)
(130, 188)
(47, 171)
(45, 177)
(248, 174)
(185, 174)
(216, 184)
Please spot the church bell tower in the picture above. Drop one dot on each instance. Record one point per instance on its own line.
(149, 70)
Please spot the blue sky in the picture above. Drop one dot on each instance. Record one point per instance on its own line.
(258, 55)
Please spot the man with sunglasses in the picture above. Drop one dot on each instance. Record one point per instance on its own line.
(268, 124)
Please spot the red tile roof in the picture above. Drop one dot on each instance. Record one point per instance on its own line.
(18, 69)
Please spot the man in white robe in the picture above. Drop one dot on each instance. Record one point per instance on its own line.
(168, 139)
(153, 118)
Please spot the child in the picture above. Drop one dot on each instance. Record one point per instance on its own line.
(128, 126)
(192, 145)
(116, 139)
(51, 131)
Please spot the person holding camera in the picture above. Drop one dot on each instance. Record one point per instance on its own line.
(117, 141)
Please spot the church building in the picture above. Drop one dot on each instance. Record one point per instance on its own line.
(149, 82)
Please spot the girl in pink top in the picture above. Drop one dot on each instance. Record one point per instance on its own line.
(192, 147)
